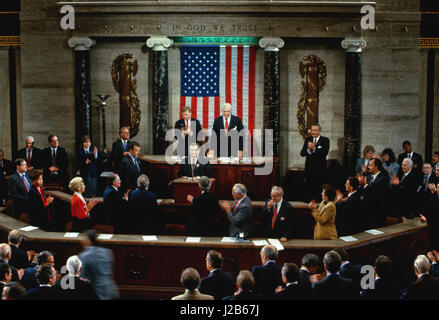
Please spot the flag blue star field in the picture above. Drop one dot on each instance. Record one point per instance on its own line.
(214, 75)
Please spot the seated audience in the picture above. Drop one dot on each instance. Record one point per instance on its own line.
(79, 207)
(278, 216)
(195, 166)
(362, 163)
(129, 169)
(268, 276)
(39, 202)
(241, 215)
(5, 254)
(334, 286)
(29, 279)
(389, 162)
(245, 284)
(46, 277)
(204, 211)
(290, 277)
(190, 279)
(409, 153)
(72, 285)
(385, 287)
(87, 166)
(144, 213)
(311, 265)
(349, 270)
(19, 258)
(406, 185)
(5, 274)
(31, 154)
(324, 214)
(350, 217)
(19, 184)
(13, 291)
(426, 287)
(219, 283)
(97, 267)
(55, 162)
(115, 203)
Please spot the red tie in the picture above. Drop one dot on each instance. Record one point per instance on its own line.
(227, 126)
(234, 207)
(187, 124)
(25, 183)
(274, 216)
(28, 157)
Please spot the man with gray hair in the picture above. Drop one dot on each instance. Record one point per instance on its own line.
(278, 216)
(5, 254)
(74, 287)
(333, 286)
(19, 258)
(204, 211)
(31, 154)
(240, 214)
(426, 287)
(143, 214)
(406, 186)
(268, 276)
(223, 127)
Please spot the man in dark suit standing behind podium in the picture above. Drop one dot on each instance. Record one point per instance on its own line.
(194, 166)
(315, 149)
(189, 129)
(223, 127)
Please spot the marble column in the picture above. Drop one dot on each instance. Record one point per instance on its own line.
(352, 109)
(83, 113)
(160, 92)
(271, 48)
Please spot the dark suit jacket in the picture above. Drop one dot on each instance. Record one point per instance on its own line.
(62, 162)
(434, 271)
(8, 168)
(267, 278)
(84, 168)
(283, 225)
(417, 161)
(29, 279)
(375, 200)
(304, 280)
(335, 287)
(353, 272)
(406, 193)
(19, 258)
(199, 169)
(129, 173)
(38, 213)
(424, 288)
(218, 284)
(205, 208)
(234, 126)
(241, 220)
(144, 214)
(36, 159)
(350, 218)
(117, 151)
(291, 292)
(183, 145)
(315, 163)
(244, 295)
(385, 289)
(44, 293)
(115, 207)
(82, 290)
(19, 193)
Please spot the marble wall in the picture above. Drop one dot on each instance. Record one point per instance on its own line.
(5, 120)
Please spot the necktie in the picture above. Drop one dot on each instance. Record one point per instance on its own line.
(273, 220)
(315, 140)
(53, 157)
(125, 145)
(403, 177)
(227, 126)
(425, 182)
(409, 155)
(28, 157)
(25, 183)
(234, 207)
(187, 124)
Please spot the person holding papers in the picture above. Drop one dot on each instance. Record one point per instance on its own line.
(324, 214)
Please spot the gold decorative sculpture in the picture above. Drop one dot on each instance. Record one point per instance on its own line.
(313, 72)
(123, 72)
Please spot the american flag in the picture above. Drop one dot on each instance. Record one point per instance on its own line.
(214, 75)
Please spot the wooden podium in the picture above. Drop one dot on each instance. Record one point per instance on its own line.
(183, 187)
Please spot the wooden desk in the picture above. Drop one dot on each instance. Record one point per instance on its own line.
(151, 269)
(184, 187)
(160, 173)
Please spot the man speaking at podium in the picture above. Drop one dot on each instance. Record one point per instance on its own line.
(194, 166)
